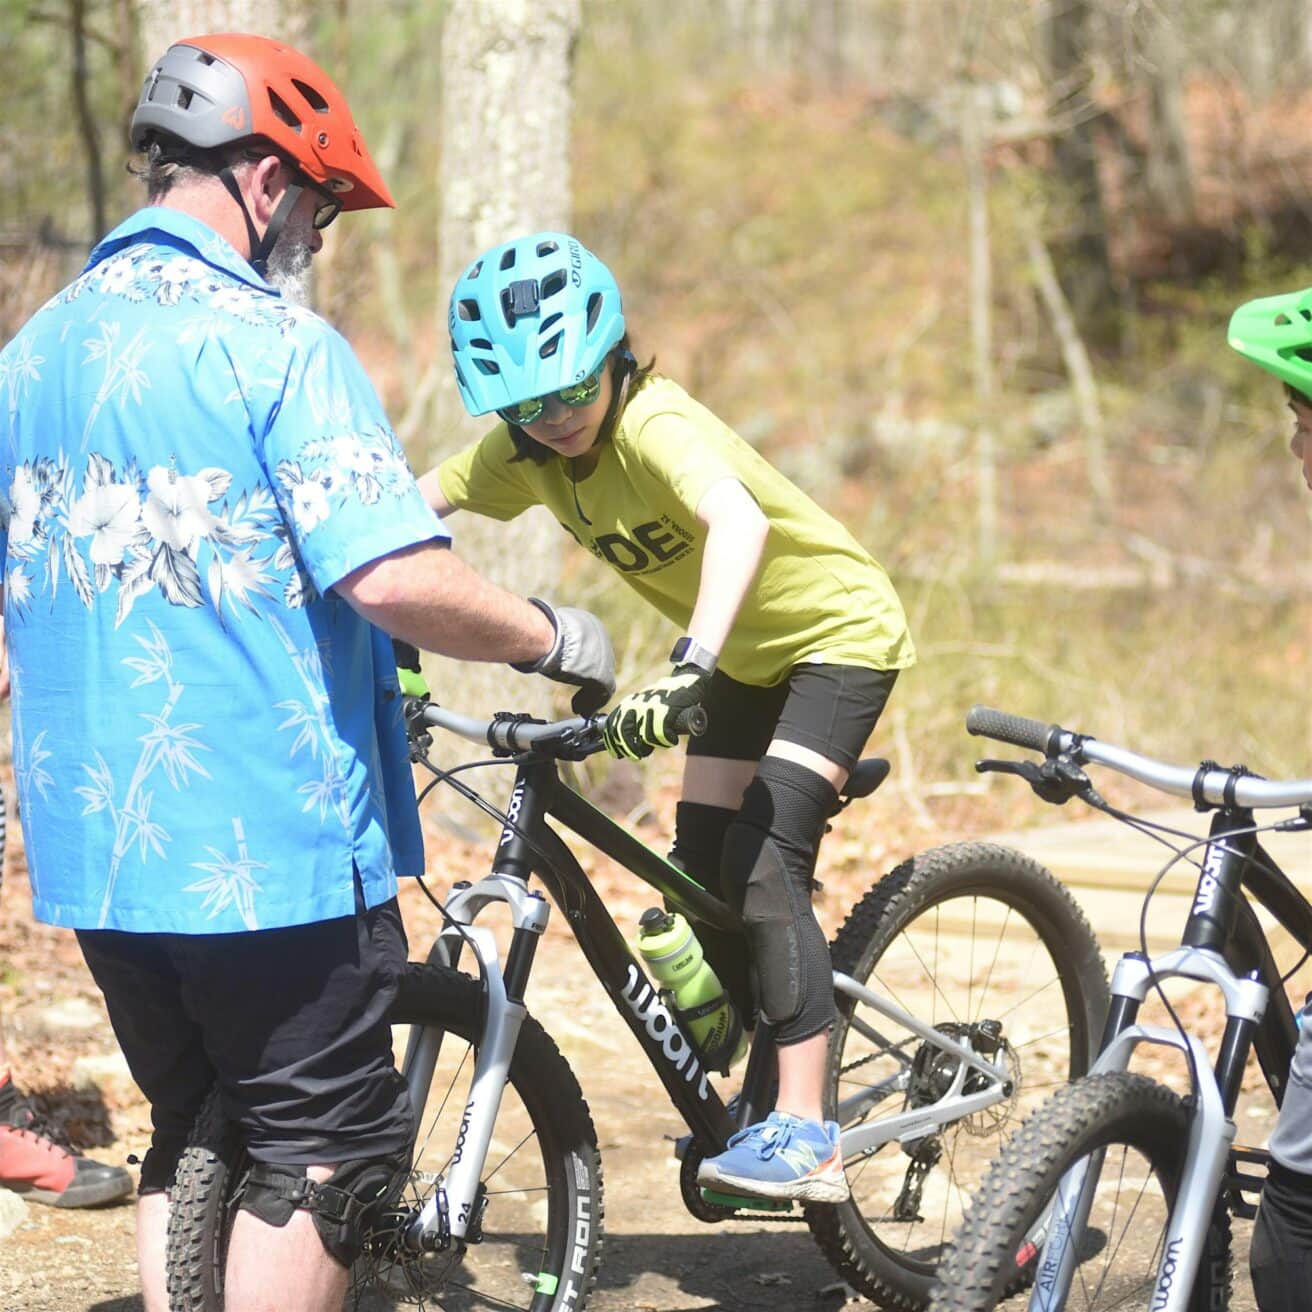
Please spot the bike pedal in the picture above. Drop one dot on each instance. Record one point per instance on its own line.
(1244, 1187)
(744, 1202)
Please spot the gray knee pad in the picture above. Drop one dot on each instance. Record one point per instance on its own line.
(769, 859)
(343, 1206)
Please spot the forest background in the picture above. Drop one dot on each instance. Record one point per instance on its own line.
(961, 269)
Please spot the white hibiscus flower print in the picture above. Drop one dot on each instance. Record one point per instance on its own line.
(309, 503)
(25, 506)
(110, 514)
(177, 510)
(117, 275)
(176, 279)
(353, 455)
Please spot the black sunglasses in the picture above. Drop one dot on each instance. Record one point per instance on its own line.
(328, 206)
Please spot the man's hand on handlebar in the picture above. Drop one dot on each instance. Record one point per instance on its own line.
(581, 655)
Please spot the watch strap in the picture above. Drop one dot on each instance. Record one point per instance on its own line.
(688, 651)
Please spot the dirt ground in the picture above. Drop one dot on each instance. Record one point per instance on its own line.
(657, 1258)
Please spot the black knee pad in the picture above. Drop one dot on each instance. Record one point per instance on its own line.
(699, 832)
(160, 1164)
(1280, 1257)
(769, 861)
(343, 1206)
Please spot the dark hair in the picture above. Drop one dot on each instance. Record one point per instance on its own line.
(627, 375)
(1293, 393)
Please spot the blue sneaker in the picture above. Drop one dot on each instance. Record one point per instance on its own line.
(782, 1156)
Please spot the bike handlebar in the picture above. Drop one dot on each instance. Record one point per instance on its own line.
(579, 732)
(1208, 783)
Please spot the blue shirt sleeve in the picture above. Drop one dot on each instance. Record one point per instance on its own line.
(346, 491)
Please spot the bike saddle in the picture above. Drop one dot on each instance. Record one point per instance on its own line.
(866, 776)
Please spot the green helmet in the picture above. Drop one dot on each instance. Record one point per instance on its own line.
(1276, 333)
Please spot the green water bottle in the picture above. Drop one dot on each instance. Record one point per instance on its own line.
(679, 967)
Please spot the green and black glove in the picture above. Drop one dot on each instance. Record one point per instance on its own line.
(645, 720)
(408, 670)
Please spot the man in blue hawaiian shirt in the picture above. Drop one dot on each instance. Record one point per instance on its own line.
(209, 532)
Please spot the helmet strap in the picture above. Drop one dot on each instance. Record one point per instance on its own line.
(262, 247)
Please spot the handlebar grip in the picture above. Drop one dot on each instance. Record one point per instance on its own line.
(985, 722)
(692, 720)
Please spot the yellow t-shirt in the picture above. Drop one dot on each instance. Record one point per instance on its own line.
(818, 595)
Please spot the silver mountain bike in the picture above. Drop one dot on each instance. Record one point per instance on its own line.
(1118, 1192)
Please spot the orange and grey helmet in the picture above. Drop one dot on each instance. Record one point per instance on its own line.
(223, 89)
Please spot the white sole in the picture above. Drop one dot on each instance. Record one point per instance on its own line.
(825, 1186)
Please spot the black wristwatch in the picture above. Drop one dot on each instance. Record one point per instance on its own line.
(688, 651)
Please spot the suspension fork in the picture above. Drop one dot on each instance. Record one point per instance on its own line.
(453, 1210)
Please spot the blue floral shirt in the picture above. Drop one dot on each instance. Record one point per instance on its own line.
(206, 737)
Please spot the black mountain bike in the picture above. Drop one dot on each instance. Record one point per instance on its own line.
(968, 985)
(1118, 1192)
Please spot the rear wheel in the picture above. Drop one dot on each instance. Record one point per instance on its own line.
(986, 946)
(1140, 1129)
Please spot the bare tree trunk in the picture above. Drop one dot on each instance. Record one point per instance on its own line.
(86, 118)
(1081, 251)
(1167, 176)
(1078, 368)
(981, 324)
(164, 21)
(505, 172)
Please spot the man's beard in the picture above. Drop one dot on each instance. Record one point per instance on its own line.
(289, 264)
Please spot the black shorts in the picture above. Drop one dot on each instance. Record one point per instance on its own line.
(831, 709)
(291, 1023)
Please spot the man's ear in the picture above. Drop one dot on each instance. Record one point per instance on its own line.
(268, 180)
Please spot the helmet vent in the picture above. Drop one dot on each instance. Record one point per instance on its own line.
(475, 271)
(550, 347)
(550, 322)
(508, 259)
(313, 98)
(594, 310)
(487, 366)
(284, 111)
(185, 96)
(553, 283)
(547, 248)
(468, 309)
(480, 343)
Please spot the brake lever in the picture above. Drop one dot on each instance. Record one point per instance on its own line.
(1055, 780)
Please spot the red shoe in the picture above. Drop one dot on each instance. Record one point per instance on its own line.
(37, 1163)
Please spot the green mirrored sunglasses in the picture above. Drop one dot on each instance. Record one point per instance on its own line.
(575, 396)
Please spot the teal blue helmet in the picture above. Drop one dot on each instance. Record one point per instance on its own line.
(529, 317)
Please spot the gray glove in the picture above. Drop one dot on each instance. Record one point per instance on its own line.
(581, 655)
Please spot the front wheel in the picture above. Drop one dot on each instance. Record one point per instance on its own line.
(983, 945)
(1133, 1132)
(537, 1240)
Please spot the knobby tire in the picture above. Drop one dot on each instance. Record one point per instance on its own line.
(1117, 1112)
(886, 938)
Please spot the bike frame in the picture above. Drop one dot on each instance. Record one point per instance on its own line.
(1222, 944)
(528, 846)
